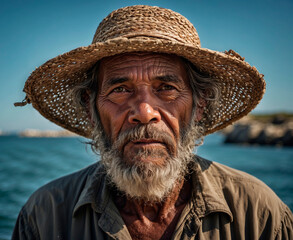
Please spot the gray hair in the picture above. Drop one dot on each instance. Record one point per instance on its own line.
(204, 89)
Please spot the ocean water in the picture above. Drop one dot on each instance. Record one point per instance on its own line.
(28, 163)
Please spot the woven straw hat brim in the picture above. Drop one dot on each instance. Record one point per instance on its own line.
(242, 86)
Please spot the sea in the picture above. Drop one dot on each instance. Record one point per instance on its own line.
(28, 163)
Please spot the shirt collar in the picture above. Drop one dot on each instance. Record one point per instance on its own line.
(95, 191)
(207, 192)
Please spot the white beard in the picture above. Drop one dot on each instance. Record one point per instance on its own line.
(146, 180)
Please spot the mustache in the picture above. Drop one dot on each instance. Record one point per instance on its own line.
(144, 132)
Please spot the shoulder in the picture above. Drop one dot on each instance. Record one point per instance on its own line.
(50, 209)
(249, 199)
(229, 178)
(62, 191)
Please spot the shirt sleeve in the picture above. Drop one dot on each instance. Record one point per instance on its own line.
(286, 229)
(24, 229)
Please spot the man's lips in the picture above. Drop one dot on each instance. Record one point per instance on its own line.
(146, 141)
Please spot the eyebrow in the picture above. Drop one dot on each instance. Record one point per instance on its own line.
(168, 78)
(114, 81)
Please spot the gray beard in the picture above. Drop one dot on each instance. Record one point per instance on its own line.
(146, 180)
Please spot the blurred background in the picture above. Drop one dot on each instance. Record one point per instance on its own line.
(33, 32)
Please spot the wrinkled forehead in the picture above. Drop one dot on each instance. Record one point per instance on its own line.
(155, 63)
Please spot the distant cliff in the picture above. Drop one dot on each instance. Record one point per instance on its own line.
(275, 129)
(46, 133)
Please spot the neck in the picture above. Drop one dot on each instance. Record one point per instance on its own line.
(155, 211)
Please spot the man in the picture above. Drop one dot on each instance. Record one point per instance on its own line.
(146, 93)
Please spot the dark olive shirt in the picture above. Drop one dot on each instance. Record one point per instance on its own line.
(225, 204)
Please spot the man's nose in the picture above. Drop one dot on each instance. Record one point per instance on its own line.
(144, 113)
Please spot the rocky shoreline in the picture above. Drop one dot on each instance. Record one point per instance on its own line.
(276, 130)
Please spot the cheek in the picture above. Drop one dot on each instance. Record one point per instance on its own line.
(177, 114)
(170, 121)
(187, 107)
(112, 117)
(183, 108)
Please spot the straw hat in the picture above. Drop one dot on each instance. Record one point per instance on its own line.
(142, 29)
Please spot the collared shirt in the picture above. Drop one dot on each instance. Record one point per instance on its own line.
(225, 204)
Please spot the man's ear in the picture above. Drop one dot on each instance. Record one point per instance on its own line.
(88, 107)
(200, 106)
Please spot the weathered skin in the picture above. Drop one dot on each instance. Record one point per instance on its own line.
(154, 221)
(146, 88)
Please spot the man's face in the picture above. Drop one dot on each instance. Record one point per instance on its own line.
(144, 89)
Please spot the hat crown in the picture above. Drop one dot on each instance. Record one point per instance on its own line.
(142, 21)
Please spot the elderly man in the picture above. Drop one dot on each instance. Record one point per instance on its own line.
(146, 93)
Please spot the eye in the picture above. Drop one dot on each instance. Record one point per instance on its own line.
(167, 87)
(120, 90)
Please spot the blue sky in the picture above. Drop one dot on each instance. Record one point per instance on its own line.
(32, 32)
